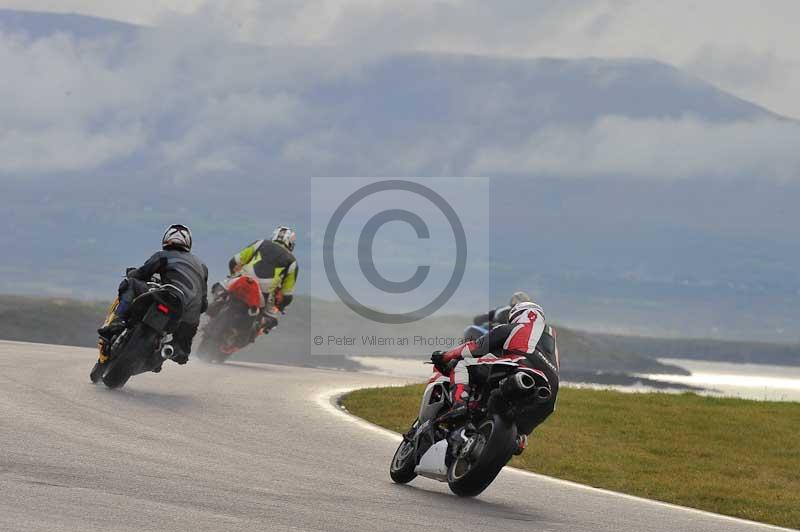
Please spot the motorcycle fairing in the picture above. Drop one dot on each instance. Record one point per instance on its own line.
(247, 290)
(435, 397)
(432, 464)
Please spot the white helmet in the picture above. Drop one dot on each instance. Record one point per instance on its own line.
(519, 312)
(177, 236)
(284, 236)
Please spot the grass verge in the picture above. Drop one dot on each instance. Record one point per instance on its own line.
(730, 456)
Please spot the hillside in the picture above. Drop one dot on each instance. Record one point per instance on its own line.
(50, 321)
(72, 322)
(704, 349)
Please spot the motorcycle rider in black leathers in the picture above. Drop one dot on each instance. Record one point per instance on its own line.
(176, 265)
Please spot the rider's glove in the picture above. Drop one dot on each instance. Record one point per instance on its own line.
(437, 359)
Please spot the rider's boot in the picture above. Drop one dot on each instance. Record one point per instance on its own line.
(267, 321)
(179, 356)
(117, 323)
(460, 406)
(116, 326)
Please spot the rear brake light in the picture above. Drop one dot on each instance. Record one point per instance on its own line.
(163, 308)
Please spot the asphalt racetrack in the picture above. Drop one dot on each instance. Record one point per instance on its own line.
(249, 447)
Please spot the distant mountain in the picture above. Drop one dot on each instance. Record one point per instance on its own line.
(156, 127)
(42, 24)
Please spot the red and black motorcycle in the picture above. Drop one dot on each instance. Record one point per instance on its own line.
(236, 318)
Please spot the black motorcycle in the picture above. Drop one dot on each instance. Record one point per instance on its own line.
(469, 453)
(146, 342)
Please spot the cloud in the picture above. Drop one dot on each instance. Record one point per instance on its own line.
(711, 39)
(651, 148)
(186, 101)
(62, 148)
(739, 46)
(63, 106)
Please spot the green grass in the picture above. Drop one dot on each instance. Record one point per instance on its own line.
(730, 456)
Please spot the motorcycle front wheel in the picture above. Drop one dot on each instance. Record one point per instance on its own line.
(404, 462)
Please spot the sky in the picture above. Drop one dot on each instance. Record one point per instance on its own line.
(632, 157)
(751, 49)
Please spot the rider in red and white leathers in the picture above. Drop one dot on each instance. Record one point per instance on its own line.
(511, 347)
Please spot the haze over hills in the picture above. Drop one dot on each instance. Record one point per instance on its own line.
(71, 322)
(627, 195)
(584, 356)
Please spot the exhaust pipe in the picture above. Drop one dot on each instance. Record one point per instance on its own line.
(167, 351)
(517, 385)
(524, 381)
(524, 385)
(543, 394)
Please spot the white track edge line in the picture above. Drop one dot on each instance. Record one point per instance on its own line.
(329, 402)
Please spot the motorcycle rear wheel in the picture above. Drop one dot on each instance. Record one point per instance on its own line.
(140, 342)
(494, 446)
(210, 349)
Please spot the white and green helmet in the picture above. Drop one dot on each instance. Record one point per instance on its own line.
(285, 236)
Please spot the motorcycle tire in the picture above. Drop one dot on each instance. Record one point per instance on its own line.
(403, 463)
(140, 342)
(469, 476)
(210, 349)
(97, 373)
